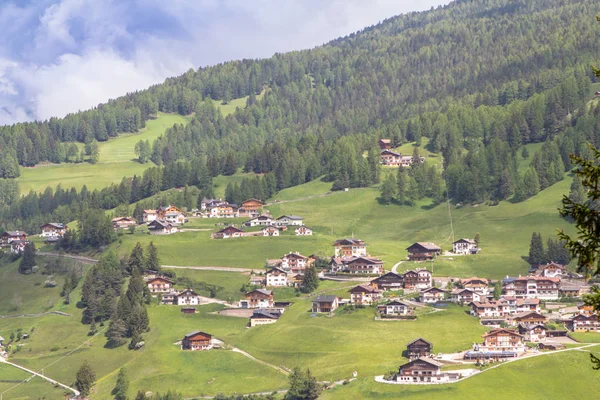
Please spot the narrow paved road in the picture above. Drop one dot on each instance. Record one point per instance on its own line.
(52, 381)
(211, 268)
(83, 259)
(395, 267)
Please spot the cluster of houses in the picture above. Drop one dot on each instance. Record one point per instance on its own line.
(15, 240)
(165, 220)
(218, 208)
(269, 227)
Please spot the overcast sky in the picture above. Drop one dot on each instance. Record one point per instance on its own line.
(60, 56)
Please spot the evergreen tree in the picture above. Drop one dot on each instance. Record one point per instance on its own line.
(388, 190)
(310, 280)
(152, 260)
(136, 258)
(537, 254)
(85, 379)
(28, 260)
(577, 193)
(303, 386)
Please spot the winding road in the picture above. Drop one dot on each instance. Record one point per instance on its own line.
(52, 381)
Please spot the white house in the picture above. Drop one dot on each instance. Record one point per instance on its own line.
(432, 295)
(187, 298)
(465, 246)
(270, 231)
(395, 307)
(149, 215)
(53, 230)
(287, 220)
(303, 231)
(277, 277)
(261, 220)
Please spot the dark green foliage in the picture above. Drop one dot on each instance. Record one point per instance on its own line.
(152, 259)
(136, 258)
(388, 190)
(85, 378)
(303, 386)
(122, 386)
(27, 259)
(310, 280)
(101, 286)
(537, 254)
(577, 193)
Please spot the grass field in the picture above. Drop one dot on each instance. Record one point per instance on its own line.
(117, 160)
(227, 109)
(556, 376)
(388, 230)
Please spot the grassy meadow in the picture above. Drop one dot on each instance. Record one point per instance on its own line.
(117, 160)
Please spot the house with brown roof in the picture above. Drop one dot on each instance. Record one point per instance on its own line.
(276, 277)
(424, 371)
(53, 230)
(478, 285)
(531, 287)
(432, 295)
(149, 215)
(294, 262)
(465, 246)
(418, 348)
(350, 248)
(197, 341)
(325, 304)
(533, 332)
(423, 251)
(186, 298)
(228, 233)
(390, 158)
(289, 220)
(8, 236)
(584, 323)
(385, 144)
(160, 284)
(270, 230)
(502, 340)
(264, 317)
(364, 295)
(261, 220)
(303, 231)
(395, 308)
(550, 270)
(161, 227)
(528, 318)
(419, 279)
(252, 205)
(258, 298)
(356, 265)
(464, 296)
(123, 222)
(389, 281)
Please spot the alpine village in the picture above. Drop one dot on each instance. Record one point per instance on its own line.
(410, 211)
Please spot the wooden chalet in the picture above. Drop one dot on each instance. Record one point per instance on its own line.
(432, 295)
(395, 308)
(325, 304)
(264, 317)
(257, 298)
(186, 298)
(228, 233)
(8, 236)
(419, 279)
(531, 287)
(53, 230)
(270, 230)
(390, 158)
(364, 295)
(424, 370)
(528, 318)
(160, 284)
(385, 144)
(584, 323)
(188, 310)
(465, 246)
(294, 262)
(533, 332)
(149, 215)
(502, 340)
(252, 204)
(162, 211)
(464, 296)
(197, 341)
(123, 222)
(423, 251)
(350, 248)
(418, 348)
(389, 281)
(161, 227)
(550, 270)
(261, 220)
(356, 265)
(289, 220)
(478, 285)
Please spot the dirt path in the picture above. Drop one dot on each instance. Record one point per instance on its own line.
(251, 357)
(52, 381)
(211, 268)
(395, 267)
(87, 260)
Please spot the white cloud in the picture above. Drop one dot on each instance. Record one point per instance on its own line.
(61, 56)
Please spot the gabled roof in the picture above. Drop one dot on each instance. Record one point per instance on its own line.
(432, 289)
(502, 330)
(294, 217)
(261, 313)
(387, 276)
(150, 212)
(159, 278)
(364, 289)
(262, 291)
(275, 269)
(397, 303)
(346, 242)
(192, 334)
(425, 245)
(526, 314)
(295, 255)
(391, 152)
(56, 225)
(467, 281)
(419, 340)
(188, 292)
(14, 233)
(459, 291)
(387, 141)
(531, 327)
(470, 241)
(252, 199)
(325, 299)
(230, 228)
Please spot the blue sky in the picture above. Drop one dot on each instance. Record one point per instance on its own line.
(60, 56)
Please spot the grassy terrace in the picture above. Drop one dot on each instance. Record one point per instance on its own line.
(388, 230)
(117, 160)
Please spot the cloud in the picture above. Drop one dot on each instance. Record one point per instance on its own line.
(60, 56)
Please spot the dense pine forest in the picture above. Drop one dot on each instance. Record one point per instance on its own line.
(479, 79)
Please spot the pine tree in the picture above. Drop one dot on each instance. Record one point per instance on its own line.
(537, 254)
(303, 386)
(136, 258)
(152, 260)
(122, 386)
(388, 190)
(28, 259)
(85, 379)
(577, 193)
(310, 280)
